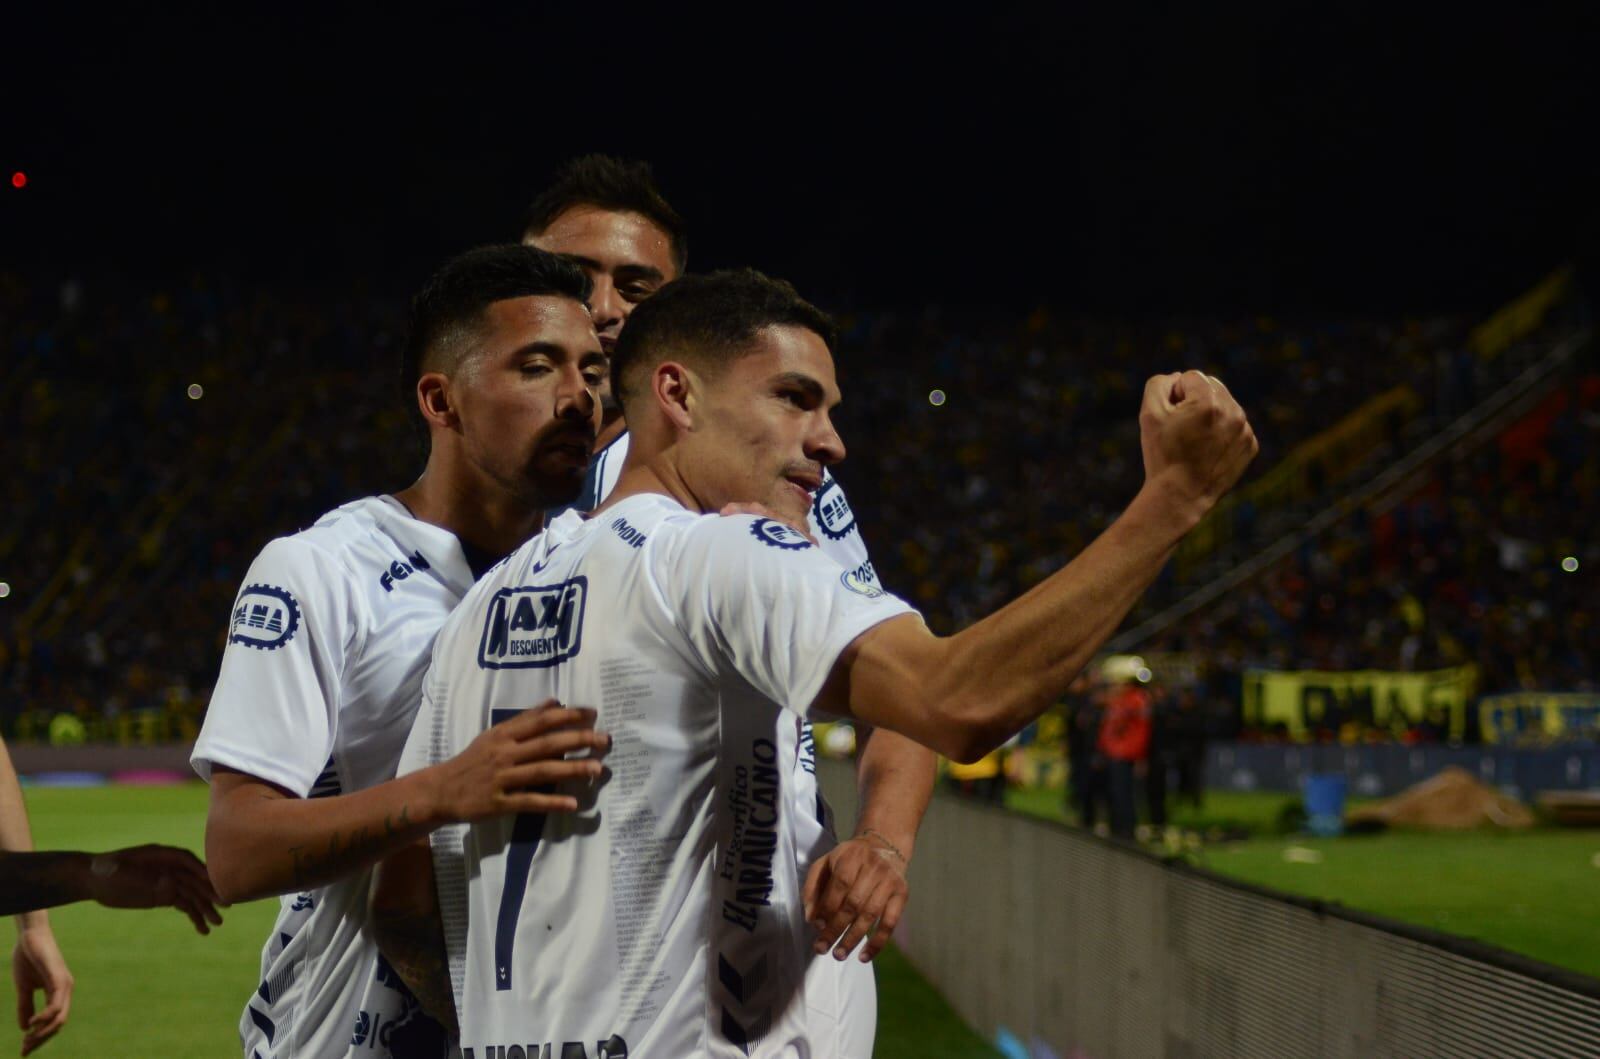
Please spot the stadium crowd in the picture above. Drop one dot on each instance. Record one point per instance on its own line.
(165, 436)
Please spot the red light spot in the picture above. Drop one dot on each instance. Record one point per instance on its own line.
(19, 179)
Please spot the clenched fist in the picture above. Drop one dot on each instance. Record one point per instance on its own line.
(1196, 439)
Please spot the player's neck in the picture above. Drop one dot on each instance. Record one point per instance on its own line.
(481, 515)
(611, 428)
(657, 475)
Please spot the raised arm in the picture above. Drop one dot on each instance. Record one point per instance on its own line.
(964, 695)
(262, 840)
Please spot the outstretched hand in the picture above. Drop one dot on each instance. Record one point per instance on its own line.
(155, 877)
(858, 890)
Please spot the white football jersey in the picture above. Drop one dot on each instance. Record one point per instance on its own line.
(833, 524)
(664, 919)
(329, 640)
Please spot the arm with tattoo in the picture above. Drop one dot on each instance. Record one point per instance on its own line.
(262, 840)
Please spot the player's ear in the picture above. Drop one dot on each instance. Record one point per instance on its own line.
(433, 400)
(673, 386)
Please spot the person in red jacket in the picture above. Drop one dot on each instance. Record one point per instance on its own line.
(1124, 739)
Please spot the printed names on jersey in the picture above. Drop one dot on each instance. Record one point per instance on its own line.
(641, 858)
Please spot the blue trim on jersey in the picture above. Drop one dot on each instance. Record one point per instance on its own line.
(264, 1024)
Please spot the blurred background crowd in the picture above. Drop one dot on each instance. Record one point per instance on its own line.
(162, 436)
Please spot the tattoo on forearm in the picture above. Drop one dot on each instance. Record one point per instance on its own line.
(346, 853)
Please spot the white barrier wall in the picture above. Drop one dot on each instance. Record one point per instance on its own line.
(1096, 951)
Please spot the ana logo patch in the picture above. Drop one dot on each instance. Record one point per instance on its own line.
(264, 616)
(777, 535)
(533, 627)
(859, 585)
(831, 511)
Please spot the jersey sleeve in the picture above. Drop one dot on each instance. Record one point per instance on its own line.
(757, 597)
(292, 632)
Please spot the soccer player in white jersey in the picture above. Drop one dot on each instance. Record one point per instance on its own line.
(609, 217)
(665, 919)
(331, 633)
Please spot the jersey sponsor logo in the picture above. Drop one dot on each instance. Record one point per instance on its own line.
(861, 587)
(399, 570)
(747, 862)
(832, 511)
(264, 617)
(776, 535)
(628, 533)
(534, 626)
(613, 1047)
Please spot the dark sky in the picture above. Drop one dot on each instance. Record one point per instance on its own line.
(1114, 162)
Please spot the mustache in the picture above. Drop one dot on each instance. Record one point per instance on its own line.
(569, 434)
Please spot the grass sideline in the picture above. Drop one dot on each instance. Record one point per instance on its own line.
(1523, 891)
(149, 986)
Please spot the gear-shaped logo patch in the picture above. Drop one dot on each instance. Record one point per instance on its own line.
(264, 617)
(777, 535)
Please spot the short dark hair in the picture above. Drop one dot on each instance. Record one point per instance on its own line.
(611, 184)
(446, 313)
(711, 319)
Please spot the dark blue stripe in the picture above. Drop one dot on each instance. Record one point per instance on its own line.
(263, 1023)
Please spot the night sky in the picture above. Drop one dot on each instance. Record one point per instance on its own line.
(1279, 159)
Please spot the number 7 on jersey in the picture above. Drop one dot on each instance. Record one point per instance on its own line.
(526, 832)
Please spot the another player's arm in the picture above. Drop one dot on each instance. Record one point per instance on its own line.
(262, 840)
(36, 961)
(404, 915)
(964, 695)
(859, 888)
(138, 877)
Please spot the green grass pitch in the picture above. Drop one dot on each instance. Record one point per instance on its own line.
(149, 986)
(1526, 891)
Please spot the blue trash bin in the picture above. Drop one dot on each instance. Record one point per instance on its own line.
(1325, 803)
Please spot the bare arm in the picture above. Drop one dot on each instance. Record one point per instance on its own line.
(262, 840)
(404, 909)
(138, 877)
(31, 881)
(894, 777)
(966, 694)
(36, 961)
(859, 889)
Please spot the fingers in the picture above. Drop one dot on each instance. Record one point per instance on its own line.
(540, 773)
(546, 717)
(808, 893)
(854, 902)
(562, 743)
(196, 902)
(24, 1004)
(540, 802)
(887, 922)
(869, 912)
(48, 1022)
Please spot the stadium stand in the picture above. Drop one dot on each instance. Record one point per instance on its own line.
(162, 435)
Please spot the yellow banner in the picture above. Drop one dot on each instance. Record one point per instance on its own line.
(1308, 700)
(1521, 317)
(1538, 717)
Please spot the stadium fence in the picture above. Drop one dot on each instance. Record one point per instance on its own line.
(1085, 948)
